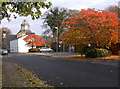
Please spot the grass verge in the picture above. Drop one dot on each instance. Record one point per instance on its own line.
(34, 81)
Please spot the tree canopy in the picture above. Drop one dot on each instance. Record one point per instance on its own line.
(114, 8)
(33, 40)
(53, 18)
(91, 26)
(7, 30)
(24, 8)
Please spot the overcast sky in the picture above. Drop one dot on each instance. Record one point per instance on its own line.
(35, 25)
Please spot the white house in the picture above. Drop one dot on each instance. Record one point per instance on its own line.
(19, 45)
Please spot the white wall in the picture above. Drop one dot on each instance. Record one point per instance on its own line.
(14, 46)
(19, 45)
(22, 47)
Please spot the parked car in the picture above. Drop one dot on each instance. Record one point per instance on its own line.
(45, 49)
(3, 52)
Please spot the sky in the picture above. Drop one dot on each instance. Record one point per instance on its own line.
(36, 25)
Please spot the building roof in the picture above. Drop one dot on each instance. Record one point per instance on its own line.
(11, 37)
(26, 31)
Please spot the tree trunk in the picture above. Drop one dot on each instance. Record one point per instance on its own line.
(32, 46)
(54, 36)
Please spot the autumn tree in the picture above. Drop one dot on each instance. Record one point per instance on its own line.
(91, 26)
(72, 13)
(23, 8)
(33, 40)
(114, 8)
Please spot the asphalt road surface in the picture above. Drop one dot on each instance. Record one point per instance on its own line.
(64, 73)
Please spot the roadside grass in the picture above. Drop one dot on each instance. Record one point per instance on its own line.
(83, 58)
(32, 78)
(79, 57)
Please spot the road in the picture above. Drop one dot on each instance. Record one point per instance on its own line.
(64, 73)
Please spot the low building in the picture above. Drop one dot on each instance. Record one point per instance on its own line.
(19, 45)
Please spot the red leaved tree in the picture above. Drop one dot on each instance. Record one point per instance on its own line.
(33, 40)
(91, 26)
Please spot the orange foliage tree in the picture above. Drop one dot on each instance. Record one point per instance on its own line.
(99, 27)
(33, 40)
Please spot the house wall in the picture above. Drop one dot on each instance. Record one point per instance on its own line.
(22, 47)
(19, 45)
(14, 46)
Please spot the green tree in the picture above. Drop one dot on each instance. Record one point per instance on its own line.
(23, 8)
(53, 18)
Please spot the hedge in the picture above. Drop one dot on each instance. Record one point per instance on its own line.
(34, 50)
(97, 52)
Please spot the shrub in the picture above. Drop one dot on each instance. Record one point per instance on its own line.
(86, 48)
(90, 53)
(34, 50)
(102, 52)
(97, 52)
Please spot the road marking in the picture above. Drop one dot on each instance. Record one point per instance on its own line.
(57, 77)
(106, 63)
(61, 83)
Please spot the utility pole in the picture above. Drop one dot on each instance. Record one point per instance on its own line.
(57, 39)
(63, 48)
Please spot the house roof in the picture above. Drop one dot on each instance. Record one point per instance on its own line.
(9, 38)
(26, 31)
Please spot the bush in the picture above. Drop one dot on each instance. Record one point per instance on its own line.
(97, 52)
(34, 50)
(103, 52)
(86, 48)
(90, 53)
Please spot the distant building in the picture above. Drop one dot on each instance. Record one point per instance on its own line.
(48, 40)
(6, 41)
(5, 38)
